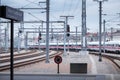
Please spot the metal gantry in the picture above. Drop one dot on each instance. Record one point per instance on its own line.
(66, 37)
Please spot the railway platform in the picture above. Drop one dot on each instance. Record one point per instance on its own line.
(96, 70)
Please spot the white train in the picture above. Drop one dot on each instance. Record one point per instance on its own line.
(110, 46)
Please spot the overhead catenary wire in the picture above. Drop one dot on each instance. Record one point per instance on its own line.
(70, 7)
(31, 2)
(76, 8)
(64, 6)
(34, 16)
(112, 19)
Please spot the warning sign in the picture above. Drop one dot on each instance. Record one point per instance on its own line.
(58, 59)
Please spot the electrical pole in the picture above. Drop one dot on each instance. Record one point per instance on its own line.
(20, 30)
(0, 31)
(41, 30)
(39, 38)
(18, 40)
(76, 37)
(119, 17)
(57, 41)
(6, 39)
(84, 29)
(47, 30)
(100, 26)
(66, 23)
(111, 33)
(104, 22)
(64, 39)
(0, 36)
(26, 39)
(118, 14)
(51, 34)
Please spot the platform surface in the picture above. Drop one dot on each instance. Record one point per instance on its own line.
(96, 70)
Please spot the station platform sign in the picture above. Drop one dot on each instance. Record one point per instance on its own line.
(11, 13)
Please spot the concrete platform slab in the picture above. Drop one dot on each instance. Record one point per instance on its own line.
(52, 77)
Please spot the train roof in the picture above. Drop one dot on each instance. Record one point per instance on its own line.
(109, 42)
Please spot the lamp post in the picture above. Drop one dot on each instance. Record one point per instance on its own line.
(100, 25)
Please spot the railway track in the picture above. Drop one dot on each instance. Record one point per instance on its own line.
(24, 59)
(18, 56)
(110, 57)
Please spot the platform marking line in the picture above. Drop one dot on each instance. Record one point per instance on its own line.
(94, 69)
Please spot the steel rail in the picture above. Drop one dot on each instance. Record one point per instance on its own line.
(27, 62)
(110, 57)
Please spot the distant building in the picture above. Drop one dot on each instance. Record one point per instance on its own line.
(109, 36)
(116, 35)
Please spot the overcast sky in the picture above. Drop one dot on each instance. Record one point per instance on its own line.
(72, 8)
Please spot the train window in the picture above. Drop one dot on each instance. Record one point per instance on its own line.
(111, 44)
(116, 45)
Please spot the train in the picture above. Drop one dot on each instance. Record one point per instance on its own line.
(109, 46)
